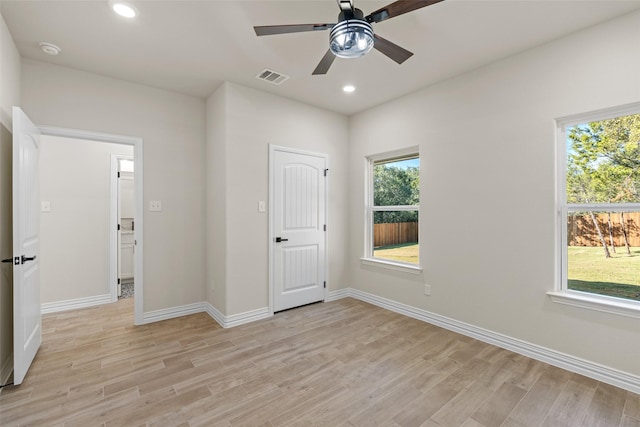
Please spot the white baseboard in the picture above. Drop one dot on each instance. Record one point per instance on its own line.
(337, 294)
(214, 313)
(72, 304)
(589, 369)
(5, 370)
(173, 312)
(237, 319)
(247, 317)
(206, 307)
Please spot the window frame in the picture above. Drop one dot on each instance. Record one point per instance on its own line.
(370, 208)
(561, 293)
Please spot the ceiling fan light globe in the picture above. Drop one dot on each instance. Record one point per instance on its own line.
(351, 38)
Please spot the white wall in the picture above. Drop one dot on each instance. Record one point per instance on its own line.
(487, 224)
(9, 96)
(253, 120)
(75, 178)
(173, 130)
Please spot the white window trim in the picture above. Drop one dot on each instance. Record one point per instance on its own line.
(597, 302)
(391, 265)
(368, 258)
(562, 294)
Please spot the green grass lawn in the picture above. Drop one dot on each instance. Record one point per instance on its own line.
(407, 252)
(589, 270)
(618, 276)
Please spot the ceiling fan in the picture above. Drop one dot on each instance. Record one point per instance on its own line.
(353, 35)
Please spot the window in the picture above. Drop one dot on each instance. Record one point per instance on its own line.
(393, 200)
(599, 190)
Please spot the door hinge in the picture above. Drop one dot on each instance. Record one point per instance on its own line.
(325, 227)
(325, 284)
(118, 174)
(325, 172)
(118, 280)
(118, 227)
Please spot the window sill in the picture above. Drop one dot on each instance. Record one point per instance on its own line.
(390, 265)
(598, 303)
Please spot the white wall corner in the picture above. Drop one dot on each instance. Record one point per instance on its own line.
(6, 369)
(72, 304)
(589, 369)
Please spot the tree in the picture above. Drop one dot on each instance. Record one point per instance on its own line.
(603, 165)
(395, 186)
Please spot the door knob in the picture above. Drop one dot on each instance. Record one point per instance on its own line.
(24, 259)
(280, 239)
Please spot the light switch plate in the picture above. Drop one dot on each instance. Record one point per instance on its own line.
(45, 206)
(155, 205)
(262, 207)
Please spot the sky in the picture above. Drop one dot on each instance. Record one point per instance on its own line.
(404, 164)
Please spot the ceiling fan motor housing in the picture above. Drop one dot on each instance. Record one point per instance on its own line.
(352, 36)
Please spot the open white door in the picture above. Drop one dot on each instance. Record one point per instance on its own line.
(298, 225)
(26, 244)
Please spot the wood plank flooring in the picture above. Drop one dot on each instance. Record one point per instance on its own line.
(343, 363)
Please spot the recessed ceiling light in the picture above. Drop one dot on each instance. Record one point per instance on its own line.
(349, 89)
(123, 9)
(50, 48)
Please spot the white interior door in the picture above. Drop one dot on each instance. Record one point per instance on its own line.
(26, 244)
(298, 200)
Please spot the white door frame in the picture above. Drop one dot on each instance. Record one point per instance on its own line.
(272, 150)
(137, 144)
(114, 216)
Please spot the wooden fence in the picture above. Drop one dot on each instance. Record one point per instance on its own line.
(582, 232)
(580, 229)
(395, 233)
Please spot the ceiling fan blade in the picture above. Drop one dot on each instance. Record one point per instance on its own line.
(392, 50)
(325, 63)
(268, 30)
(398, 8)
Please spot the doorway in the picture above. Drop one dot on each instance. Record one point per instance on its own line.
(122, 224)
(297, 211)
(103, 253)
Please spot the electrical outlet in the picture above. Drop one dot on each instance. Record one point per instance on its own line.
(45, 206)
(262, 207)
(155, 205)
(427, 289)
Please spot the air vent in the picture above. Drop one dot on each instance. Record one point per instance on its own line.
(272, 77)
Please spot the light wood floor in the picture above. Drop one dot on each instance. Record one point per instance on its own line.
(339, 363)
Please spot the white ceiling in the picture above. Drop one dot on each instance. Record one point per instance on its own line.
(193, 46)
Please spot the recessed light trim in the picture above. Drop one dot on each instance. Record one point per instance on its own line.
(123, 9)
(348, 88)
